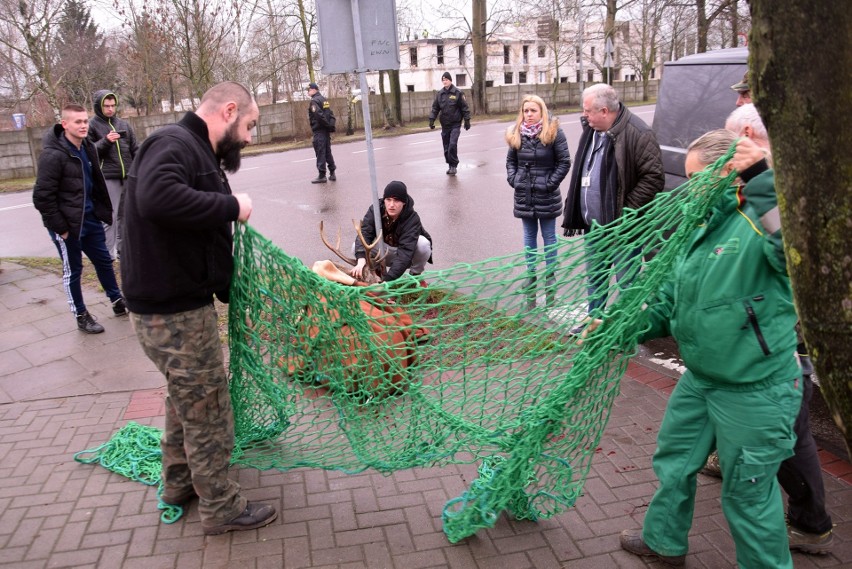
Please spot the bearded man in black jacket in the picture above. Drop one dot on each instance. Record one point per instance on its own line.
(176, 256)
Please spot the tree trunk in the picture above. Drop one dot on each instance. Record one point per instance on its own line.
(702, 25)
(386, 111)
(609, 33)
(306, 37)
(799, 66)
(396, 96)
(480, 57)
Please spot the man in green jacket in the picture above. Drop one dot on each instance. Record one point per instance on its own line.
(730, 307)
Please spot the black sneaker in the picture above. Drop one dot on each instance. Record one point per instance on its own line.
(452, 171)
(331, 176)
(119, 308)
(254, 516)
(86, 323)
(319, 179)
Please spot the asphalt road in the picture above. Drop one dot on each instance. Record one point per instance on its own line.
(469, 216)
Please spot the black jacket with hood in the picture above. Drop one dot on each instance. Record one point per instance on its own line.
(116, 157)
(59, 191)
(177, 241)
(401, 233)
(631, 171)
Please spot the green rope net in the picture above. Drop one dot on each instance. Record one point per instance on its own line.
(477, 367)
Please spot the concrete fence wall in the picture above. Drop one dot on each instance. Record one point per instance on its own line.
(19, 150)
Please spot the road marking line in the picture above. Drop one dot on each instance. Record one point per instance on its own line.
(362, 151)
(421, 142)
(16, 206)
(305, 160)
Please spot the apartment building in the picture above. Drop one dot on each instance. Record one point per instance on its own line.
(542, 52)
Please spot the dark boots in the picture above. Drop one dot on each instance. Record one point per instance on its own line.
(254, 516)
(331, 175)
(529, 291)
(550, 291)
(319, 179)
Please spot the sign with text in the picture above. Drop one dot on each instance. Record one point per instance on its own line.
(338, 35)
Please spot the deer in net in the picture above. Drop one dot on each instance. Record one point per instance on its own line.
(372, 355)
(375, 260)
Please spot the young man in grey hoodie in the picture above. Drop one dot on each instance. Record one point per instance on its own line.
(115, 142)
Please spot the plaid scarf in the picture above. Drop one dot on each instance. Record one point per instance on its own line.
(531, 131)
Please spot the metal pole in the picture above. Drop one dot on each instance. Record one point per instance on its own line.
(365, 109)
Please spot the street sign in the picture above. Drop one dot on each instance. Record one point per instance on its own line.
(377, 33)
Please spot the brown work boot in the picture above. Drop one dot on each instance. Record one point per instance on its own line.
(178, 497)
(712, 467)
(631, 540)
(812, 543)
(254, 516)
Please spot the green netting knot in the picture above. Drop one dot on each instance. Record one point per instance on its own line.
(134, 452)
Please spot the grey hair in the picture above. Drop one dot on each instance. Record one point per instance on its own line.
(603, 95)
(744, 116)
(712, 145)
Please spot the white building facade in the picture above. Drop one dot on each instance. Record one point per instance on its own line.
(516, 56)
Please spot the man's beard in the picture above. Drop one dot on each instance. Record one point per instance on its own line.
(229, 149)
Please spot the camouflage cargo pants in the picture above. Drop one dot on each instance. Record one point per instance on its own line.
(199, 435)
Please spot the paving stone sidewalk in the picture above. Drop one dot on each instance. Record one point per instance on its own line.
(62, 392)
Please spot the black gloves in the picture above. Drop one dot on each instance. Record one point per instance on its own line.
(432, 124)
(467, 124)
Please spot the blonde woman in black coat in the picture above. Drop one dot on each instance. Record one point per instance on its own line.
(537, 162)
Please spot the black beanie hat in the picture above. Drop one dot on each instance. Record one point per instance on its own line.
(396, 190)
(447, 75)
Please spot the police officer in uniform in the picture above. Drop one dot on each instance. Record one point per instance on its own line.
(322, 136)
(451, 105)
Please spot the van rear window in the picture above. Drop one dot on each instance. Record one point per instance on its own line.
(693, 99)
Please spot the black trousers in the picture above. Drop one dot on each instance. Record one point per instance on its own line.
(801, 475)
(450, 138)
(322, 148)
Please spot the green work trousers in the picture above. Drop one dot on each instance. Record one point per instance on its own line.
(753, 433)
(199, 433)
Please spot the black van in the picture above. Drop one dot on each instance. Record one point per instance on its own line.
(695, 97)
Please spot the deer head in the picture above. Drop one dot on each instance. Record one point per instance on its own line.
(375, 261)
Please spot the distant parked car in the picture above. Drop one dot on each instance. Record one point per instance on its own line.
(695, 97)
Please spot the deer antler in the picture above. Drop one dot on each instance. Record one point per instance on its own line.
(336, 250)
(375, 262)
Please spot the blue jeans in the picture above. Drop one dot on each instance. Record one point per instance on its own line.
(600, 264)
(548, 235)
(92, 242)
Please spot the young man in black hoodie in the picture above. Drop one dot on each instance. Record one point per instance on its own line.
(115, 142)
(71, 195)
(176, 256)
(408, 244)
